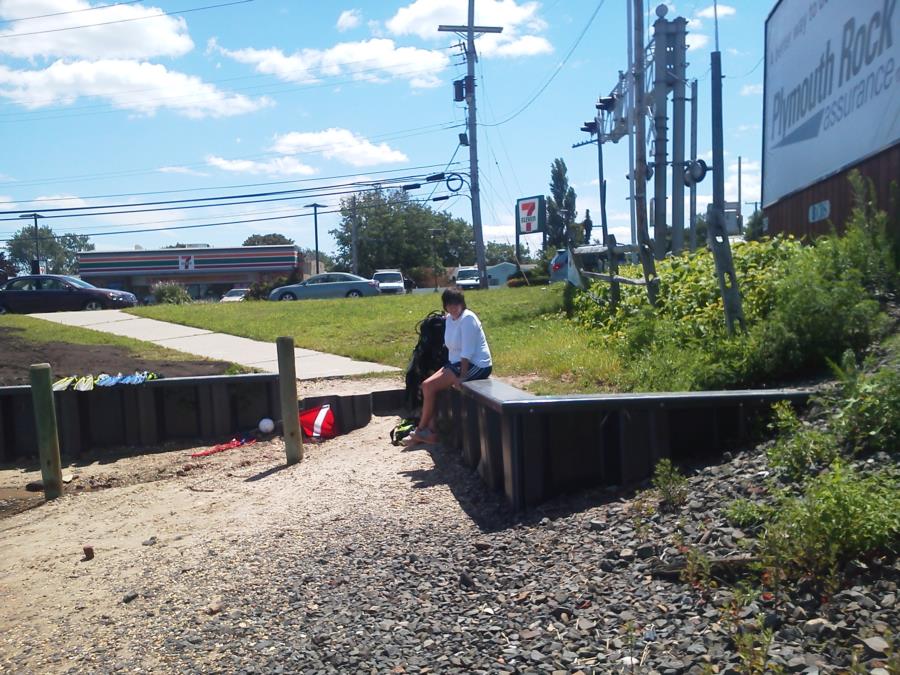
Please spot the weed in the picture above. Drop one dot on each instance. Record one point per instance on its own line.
(799, 450)
(670, 484)
(747, 514)
(841, 515)
(697, 570)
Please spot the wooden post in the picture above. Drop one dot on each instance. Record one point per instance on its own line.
(45, 427)
(290, 415)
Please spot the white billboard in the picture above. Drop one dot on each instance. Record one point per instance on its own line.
(832, 89)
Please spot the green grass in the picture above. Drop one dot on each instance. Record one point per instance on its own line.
(39, 331)
(525, 327)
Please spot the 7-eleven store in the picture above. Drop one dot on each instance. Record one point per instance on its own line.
(205, 272)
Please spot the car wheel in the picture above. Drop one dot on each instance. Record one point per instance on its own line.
(354, 294)
(93, 305)
(287, 296)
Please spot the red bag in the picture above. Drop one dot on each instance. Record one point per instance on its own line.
(318, 422)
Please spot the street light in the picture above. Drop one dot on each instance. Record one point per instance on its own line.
(315, 207)
(36, 263)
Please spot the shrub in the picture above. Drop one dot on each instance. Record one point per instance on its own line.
(800, 449)
(671, 485)
(841, 516)
(747, 514)
(169, 292)
(868, 410)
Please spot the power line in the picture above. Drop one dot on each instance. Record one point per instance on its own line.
(72, 11)
(135, 18)
(229, 187)
(553, 75)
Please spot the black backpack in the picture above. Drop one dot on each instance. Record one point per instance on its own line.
(428, 357)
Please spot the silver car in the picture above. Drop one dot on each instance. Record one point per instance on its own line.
(328, 285)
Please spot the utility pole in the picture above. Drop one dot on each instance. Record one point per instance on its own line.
(661, 139)
(36, 263)
(639, 177)
(678, 28)
(469, 31)
(354, 236)
(693, 195)
(315, 207)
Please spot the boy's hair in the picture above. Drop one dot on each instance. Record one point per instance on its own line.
(453, 296)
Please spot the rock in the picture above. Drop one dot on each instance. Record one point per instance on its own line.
(67, 478)
(214, 607)
(875, 646)
(128, 597)
(597, 525)
(888, 601)
(88, 553)
(149, 542)
(466, 580)
(35, 486)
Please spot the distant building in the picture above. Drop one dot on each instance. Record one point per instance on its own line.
(205, 272)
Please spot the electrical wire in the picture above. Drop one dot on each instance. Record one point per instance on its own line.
(135, 18)
(553, 75)
(72, 11)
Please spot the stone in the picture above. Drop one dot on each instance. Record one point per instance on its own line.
(128, 597)
(875, 646)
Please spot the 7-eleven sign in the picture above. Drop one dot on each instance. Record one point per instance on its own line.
(531, 215)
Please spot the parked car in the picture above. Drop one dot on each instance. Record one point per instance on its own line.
(391, 281)
(58, 293)
(467, 278)
(559, 266)
(328, 285)
(235, 295)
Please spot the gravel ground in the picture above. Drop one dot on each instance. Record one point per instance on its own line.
(371, 558)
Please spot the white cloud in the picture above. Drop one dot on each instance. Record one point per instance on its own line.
(129, 85)
(696, 40)
(751, 90)
(340, 144)
(181, 170)
(373, 59)
(710, 12)
(349, 19)
(134, 36)
(278, 166)
(520, 22)
(744, 128)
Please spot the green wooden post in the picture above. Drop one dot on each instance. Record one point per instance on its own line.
(290, 417)
(45, 425)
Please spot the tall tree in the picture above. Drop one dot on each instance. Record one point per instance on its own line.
(59, 254)
(495, 252)
(396, 232)
(273, 239)
(561, 211)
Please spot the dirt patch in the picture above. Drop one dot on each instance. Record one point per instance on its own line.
(16, 355)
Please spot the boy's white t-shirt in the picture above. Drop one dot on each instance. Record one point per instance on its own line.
(465, 339)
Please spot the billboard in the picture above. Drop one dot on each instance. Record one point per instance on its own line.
(531, 215)
(832, 89)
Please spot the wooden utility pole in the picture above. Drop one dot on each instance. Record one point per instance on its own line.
(290, 415)
(45, 424)
(468, 31)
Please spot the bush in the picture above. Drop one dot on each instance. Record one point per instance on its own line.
(260, 290)
(799, 450)
(169, 292)
(671, 485)
(840, 517)
(747, 514)
(868, 410)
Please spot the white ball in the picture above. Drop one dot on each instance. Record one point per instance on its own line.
(266, 425)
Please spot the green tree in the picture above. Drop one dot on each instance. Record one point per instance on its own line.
(59, 254)
(495, 252)
(325, 259)
(753, 228)
(7, 268)
(273, 239)
(561, 211)
(396, 232)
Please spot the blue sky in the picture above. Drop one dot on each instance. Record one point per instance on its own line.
(101, 103)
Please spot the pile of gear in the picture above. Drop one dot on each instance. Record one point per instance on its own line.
(428, 357)
(89, 382)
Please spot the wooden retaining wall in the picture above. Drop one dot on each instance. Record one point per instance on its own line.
(143, 415)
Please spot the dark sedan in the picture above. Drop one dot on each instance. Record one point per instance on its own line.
(58, 293)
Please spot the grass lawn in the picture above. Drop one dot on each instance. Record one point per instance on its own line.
(38, 331)
(528, 335)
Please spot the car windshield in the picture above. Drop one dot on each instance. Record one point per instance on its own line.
(383, 277)
(467, 274)
(235, 292)
(79, 282)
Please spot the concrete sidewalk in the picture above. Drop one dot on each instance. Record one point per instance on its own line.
(263, 356)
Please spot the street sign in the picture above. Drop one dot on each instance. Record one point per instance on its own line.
(531, 215)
